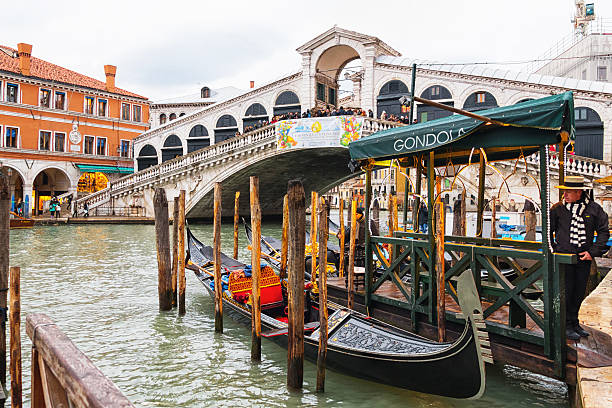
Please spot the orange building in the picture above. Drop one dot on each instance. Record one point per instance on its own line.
(63, 132)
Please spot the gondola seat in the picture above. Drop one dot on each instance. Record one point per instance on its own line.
(269, 283)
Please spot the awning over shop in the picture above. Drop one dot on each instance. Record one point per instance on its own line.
(90, 168)
(526, 126)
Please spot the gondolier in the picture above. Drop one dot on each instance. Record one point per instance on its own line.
(574, 222)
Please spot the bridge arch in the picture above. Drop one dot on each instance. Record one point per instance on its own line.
(287, 101)
(439, 93)
(480, 100)
(173, 147)
(254, 114)
(198, 138)
(225, 128)
(589, 133)
(389, 95)
(147, 157)
(48, 182)
(16, 186)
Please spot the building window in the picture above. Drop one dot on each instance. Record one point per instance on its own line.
(11, 134)
(89, 145)
(580, 114)
(172, 116)
(60, 100)
(137, 114)
(125, 111)
(125, 148)
(602, 73)
(101, 146)
(320, 92)
(332, 96)
(44, 140)
(205, 92)
(435, 90)
(45, 98)
(89, 105)
(12, 90)
(162, 118)
(423, 116)
(480, 97)
(102, 103)
(59, 144)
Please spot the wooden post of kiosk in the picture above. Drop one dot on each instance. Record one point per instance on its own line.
(417, 199)
(313, 236)
(236, 219)
(297, 242)
(181, 254)
(323, 235)
(391, 223)
(481, 188)
(217, 259)
(15, 325)
(162, 235)
(493, 219)
(351, 261)
(375, 221)
(284, 243)
(5, 206)
(256, 271)
(342, 238)
(175, 251)
(562, 159)
(463, 214)
(440, 272)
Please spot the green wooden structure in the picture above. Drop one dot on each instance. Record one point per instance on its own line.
(504, 133)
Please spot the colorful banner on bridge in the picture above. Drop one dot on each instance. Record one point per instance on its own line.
(334, 131)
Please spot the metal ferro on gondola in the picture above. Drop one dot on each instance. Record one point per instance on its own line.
(497, 134)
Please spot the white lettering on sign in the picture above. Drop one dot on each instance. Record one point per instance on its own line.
(426, 140)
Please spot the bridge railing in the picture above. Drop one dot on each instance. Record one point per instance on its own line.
(156, 173)
(584, 166)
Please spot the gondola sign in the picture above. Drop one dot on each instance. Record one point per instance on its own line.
(336, 131)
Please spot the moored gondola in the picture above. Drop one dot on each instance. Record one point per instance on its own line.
(359, 345)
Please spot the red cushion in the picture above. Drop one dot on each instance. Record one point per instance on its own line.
(271, 294)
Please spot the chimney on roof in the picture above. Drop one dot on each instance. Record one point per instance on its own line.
(252, 84)
(24, 51)
(110, 71)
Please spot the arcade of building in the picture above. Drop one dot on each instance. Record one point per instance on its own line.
(383, 78)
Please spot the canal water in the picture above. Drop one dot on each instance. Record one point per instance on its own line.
(99, 284)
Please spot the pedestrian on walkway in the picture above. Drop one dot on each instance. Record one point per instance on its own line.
(574, 222)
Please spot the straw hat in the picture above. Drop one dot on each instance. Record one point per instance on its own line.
(573, 183)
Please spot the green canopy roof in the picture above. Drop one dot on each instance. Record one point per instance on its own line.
(105, 169)
(527, 125)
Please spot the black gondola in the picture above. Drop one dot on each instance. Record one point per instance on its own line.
(365, 347)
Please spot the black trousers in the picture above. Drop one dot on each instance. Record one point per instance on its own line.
(576, 277)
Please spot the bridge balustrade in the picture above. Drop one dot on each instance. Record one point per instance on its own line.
(202, 157)
(522, 287)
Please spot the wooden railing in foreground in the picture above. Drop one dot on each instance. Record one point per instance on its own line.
(62, 376)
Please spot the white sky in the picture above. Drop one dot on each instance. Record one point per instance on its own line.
(165, 49)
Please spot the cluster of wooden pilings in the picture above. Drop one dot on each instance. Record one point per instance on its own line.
(292, 266)
(170, 270)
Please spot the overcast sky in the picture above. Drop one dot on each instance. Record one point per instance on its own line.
(165, 49)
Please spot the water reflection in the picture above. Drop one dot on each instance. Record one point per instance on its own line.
(99, 284)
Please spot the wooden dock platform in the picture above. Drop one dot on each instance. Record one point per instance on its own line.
(505, 350)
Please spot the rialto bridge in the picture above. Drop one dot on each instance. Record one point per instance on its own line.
(195, 150)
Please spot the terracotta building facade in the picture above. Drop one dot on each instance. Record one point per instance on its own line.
(63, 132)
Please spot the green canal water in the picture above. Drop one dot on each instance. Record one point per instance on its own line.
(99, 284)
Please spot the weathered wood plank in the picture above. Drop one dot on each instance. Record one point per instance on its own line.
(284, 242)
(351, 260)
(15, 344)
(217, 259)
(175, 252)
(256, 271)
(342, 238)
(83, 383)
(5, 205)
(181, 253)
(322, 354)
(236, 222)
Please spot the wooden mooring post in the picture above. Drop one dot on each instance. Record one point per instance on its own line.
(236, 220)
(351, 260)
(5, 206)
(181, 254)
(297, 241)
(322, 354)
(440, 272)
(62, 376)
(175, 251)
(284, 243)
(217, 259)
(342, 238)
(162, 240)
(313, 236)
(256, 271)
(15, 345)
